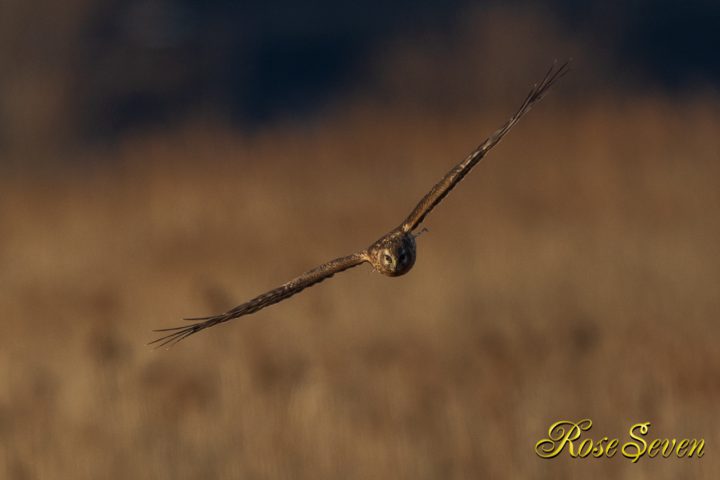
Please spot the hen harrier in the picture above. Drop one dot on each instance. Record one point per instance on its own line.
(394, 253)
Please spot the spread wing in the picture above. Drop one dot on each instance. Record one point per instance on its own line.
(454, 176)
(307, 279)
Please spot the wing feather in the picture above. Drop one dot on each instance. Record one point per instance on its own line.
(307, 279)
(454, 176)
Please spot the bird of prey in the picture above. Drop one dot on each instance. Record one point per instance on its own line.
(394, 253)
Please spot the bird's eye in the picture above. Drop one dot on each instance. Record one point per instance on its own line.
(387, 258)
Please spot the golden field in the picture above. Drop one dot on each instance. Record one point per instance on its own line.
(574, 274)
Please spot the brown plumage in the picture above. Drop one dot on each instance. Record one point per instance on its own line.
(394, 253)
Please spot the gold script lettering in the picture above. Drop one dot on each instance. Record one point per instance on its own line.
(635, 450)
(560, 434)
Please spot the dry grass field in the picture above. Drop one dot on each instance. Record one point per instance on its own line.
(575, 274)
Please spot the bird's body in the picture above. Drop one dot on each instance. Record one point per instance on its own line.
(394, 253)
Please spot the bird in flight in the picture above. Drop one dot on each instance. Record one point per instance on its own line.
(394, 253)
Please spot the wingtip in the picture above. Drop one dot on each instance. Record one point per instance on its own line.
(168, 341)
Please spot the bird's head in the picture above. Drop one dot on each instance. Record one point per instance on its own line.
(394, 254)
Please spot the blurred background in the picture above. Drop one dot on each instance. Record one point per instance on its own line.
(163, 158)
